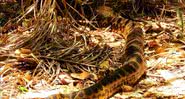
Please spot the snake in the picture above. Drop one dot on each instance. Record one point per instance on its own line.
(128, 74)
(131, 71)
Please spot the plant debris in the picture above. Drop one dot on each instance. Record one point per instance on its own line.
(47, 51)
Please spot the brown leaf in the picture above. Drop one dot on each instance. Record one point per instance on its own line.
(27, 60)
(127, 88)
(160, 50)
(25, 51)
(83, 75)
(27, 76)
(152, 44)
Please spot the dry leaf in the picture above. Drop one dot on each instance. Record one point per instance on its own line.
(25, 51)
(148, 94)
(83, 75)
(160, 50)
(105, 64)
(29, 61)
(152, 44)
(27, 76)
(127, 88)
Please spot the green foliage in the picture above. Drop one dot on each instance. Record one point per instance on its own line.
(22, 89)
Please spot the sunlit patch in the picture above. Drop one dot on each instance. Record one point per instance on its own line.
(176, 89)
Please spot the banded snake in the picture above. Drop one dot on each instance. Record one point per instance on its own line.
(129, 74)
(131, 71)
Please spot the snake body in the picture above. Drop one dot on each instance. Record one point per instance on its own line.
(131, 71)
(128, 74)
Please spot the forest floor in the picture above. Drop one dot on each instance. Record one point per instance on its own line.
(23, 71)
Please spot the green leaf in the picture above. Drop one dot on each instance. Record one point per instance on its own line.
(23, 89)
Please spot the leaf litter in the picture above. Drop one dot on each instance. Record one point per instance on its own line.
(77, 57)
